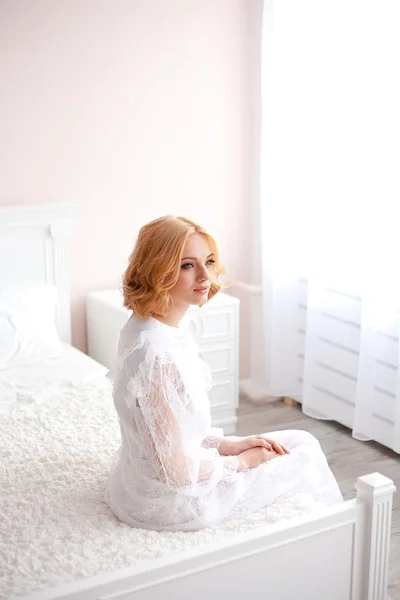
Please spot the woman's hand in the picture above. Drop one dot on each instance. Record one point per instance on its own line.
(235, 447)
(254, 457)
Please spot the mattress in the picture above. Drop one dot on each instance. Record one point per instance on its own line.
(60, 434)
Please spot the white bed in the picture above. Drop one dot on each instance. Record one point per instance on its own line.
(58, 539)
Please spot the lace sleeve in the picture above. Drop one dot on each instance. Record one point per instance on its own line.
(160, 403)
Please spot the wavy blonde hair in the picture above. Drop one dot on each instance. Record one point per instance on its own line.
(154, 265)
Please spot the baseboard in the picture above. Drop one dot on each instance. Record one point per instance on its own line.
(255, 393)
(260, 395)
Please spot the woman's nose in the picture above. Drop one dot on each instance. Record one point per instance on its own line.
(202, 275)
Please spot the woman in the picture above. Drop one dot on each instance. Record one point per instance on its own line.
(170, 474)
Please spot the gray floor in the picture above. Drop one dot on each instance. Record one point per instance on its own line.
(347, 457)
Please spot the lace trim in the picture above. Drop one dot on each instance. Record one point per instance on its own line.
(212, 441)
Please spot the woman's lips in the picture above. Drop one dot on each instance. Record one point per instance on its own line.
(202, 290)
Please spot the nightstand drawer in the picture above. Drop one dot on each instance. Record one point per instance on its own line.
(222, 393)
(212, 325)
(220, 357)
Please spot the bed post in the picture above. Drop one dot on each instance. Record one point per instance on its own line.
(376, 492)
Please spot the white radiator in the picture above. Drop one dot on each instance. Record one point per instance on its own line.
(314, 354)
(338, 369)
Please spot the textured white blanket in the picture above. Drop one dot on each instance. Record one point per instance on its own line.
(55, 528)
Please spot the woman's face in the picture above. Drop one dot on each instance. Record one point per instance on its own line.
(196, 272)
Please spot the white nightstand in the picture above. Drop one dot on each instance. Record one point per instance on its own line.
(215, 327)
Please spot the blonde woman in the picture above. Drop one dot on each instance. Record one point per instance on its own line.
(170, 474)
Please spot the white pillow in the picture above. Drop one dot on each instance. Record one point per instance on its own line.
(28, 331)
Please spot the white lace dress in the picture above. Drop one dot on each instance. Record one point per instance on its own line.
(168, 474)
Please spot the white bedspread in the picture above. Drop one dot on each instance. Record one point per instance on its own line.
(55, 454)
(37, 381)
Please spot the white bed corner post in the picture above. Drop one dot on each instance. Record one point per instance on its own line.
(376, 492)
(59, 230)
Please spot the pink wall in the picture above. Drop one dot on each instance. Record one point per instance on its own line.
(131, 109)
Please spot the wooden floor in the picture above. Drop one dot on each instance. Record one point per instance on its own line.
(348, 459)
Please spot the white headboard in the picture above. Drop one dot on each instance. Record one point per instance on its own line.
(33, 250)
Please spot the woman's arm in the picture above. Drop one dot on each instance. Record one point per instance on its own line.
(163, 417)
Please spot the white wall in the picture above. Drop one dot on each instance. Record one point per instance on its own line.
(132, 109)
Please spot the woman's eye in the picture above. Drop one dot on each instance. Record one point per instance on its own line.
(190, 265)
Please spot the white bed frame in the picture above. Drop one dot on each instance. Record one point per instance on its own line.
(337, 553)
(34, 250)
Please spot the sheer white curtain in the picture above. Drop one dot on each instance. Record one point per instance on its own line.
(330, 209)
